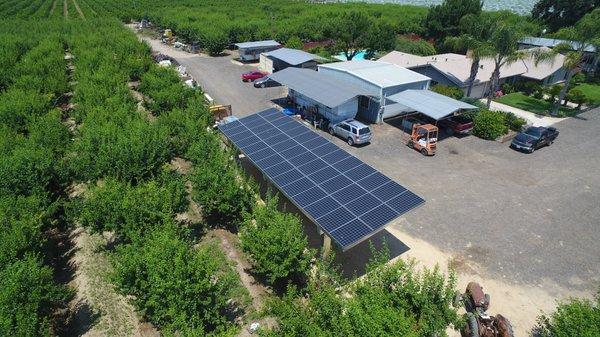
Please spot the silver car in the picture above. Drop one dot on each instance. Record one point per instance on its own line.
(352, 131)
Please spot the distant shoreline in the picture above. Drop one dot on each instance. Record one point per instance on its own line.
(522, 7)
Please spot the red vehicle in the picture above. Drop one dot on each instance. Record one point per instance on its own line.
(456, 124)
(252, 75)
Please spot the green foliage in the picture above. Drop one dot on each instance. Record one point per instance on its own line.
(351, 33)
(576, 96)
(28, 297)
(219, 187)
(132, 210)
(18, 107)
(294, 42)
(573, 318)
(177, 288)
(450, 91)
(276, 243)
(443, 19)
(415, 47)
(391, 300)
(508, 88)
(215, 43)
(513, 122)
(165, 89)
(489, 125)
(556, 14)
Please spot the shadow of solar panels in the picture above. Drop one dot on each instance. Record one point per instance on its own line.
(345, 197)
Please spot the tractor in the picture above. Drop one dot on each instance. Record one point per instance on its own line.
(479, 322)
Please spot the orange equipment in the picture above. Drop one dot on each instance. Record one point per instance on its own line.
(424, 138)
(220, 111)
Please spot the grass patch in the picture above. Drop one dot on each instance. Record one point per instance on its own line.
(534, 105)
(591, 91)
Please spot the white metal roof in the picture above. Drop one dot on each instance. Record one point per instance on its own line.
(258, 44)
(318, 86)
(292, 56)
(381, 74)
(551, 43)
(429, 103)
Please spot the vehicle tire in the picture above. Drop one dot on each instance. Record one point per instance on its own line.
(487, 301)
(350, 141)
(410, 144)
(331, 132)
(263, 86)
(504, 327)
(473, 325)
(424, 152)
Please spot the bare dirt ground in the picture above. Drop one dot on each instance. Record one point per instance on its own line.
(65, 9)
(78, 9)
(53, 7)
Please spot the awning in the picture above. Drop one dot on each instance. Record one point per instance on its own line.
(430, 103)
(320, 87)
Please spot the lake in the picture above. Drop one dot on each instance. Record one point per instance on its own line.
(517, 6)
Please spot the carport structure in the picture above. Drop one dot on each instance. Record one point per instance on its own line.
(336, 100)
(429, 103)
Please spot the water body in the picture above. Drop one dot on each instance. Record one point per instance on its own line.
(517, 6)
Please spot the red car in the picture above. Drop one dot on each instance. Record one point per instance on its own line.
(456, 124)
(252, 75)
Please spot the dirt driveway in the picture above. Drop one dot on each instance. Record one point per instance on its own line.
(526, 226)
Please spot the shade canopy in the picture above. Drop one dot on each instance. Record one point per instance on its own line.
(430, 103)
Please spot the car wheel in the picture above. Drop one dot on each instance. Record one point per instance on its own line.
(473, 325)
(424, 152)
(263, 85)
(350, 141)
(410, 144)
(331, 132)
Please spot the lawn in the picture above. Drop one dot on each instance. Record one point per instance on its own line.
(591, 91)
(534, 105)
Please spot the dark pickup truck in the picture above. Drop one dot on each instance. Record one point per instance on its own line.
(533, 138)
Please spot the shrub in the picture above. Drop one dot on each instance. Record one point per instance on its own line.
(578, 78)
(131, 210)
(276, 243)
(538, 94)
(219, 188)
(176, 287)
(577, 96)
(489, 125)
(294, 42)
(507, 88)
(530, 87)
(513, 122)
(553, 91)
(574, 318)
(449, 91)
(416, 47)
(28, 297)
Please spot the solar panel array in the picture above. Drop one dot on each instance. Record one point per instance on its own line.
(345, 197)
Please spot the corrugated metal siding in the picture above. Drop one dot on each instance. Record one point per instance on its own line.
(399, 88)
(434, 74)
(345, 111)
(370, 88)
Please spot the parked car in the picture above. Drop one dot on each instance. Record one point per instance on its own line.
(252, 75)
(533, 138)
(265, 82)
(456, 124)
(352, 131)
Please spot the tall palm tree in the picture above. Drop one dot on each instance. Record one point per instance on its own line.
(582, 36)
(504, 41)
(475, 33)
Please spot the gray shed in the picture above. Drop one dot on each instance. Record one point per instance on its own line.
(282, 58)
(428, 103)
(250, 51)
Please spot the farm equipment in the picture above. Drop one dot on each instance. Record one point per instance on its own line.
(423, 138)
(479, 322)
(220, 111)
(168, 37)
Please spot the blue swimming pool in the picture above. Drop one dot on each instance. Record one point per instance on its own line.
(359, 56)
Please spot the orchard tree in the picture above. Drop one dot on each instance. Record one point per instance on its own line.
(557, 14)
(351, 32)
(573, 318)
(443, 20)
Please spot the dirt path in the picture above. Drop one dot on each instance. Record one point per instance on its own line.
(52, 8)
(521, 303)
(78, 9)
(65, 9)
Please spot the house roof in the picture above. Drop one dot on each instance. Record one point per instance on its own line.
(321, 87)
(381, 74)
(292, 56)
(258, 44)
(551, 43)
(429, 103)
(457, 67)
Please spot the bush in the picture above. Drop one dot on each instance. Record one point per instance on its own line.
(416, 47)
(294, 42)
(513, 122)
(507, 88)
(530, 87)
(276, 243)
(577, 96)
(28, 297)
(131, 210)
(489, 125)
(577, 79)
(574, 318)
(176, 287)
(449, 91)
(538, 94)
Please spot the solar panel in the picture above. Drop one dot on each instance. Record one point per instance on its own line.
(345, 197)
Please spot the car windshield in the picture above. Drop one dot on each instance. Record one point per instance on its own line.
(363, 131)
(534, 132)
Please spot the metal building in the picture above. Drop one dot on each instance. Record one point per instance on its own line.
(250, 51)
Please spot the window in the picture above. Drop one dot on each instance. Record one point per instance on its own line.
(345, 127)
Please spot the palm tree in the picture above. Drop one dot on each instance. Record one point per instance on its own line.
(585, 34)
(475, 33)
(504, 41)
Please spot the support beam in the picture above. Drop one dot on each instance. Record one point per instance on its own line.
(326, 246)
